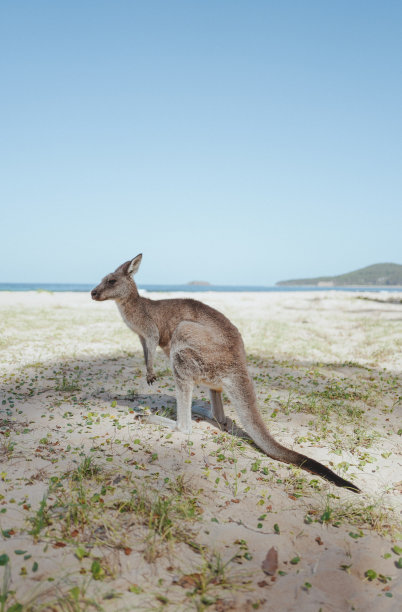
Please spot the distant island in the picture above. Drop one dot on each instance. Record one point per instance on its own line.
(380, 275)
(199, 283)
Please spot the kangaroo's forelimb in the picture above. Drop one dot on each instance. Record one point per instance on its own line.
(149, 346)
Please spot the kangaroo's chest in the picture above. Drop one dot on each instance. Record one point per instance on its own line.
(133, 320)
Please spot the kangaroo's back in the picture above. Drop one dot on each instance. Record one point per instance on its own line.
(169, 313)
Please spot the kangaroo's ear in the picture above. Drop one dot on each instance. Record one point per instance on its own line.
(134, 265)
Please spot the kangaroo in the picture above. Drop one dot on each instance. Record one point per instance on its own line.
(203, 347)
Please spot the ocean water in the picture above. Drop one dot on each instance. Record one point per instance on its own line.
(183, 288)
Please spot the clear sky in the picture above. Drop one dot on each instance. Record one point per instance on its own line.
(238, 142)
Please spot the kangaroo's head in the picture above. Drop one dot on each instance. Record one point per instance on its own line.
(119, 284)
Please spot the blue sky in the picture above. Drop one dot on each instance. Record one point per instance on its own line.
(234, 142)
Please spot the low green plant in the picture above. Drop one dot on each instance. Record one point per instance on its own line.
(68, 383)
(333, 510)
(41, 518)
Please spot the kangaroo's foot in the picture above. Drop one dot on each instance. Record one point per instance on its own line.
(151, 378)
(160, 420)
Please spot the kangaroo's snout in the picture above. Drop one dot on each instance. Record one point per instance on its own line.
(94, 294)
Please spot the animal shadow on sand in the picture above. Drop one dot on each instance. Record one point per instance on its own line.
(165, 405)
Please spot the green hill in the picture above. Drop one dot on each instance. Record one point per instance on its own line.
(385, 274)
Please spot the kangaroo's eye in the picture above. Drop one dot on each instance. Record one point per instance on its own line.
(112, 281)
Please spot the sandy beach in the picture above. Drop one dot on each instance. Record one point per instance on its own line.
(100, 511)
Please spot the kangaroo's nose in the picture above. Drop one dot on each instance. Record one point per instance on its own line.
(94, 293)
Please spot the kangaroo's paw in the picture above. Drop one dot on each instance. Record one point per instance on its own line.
(151, 378)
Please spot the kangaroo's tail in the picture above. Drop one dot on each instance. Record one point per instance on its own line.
(241, 392)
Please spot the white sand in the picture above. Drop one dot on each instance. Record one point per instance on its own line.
(327, 368)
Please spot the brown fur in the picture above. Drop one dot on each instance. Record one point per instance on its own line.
(203, 347)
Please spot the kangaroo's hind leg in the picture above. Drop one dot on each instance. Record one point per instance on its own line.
(184, 394)
(184, 376)
(183, 422)
(214, 411)
(218, 412)
(185, 367)
(191, 349)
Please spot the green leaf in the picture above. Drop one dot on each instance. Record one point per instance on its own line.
(399, 563)
(20, 552)
(97, 571)
(81, 552)
(4, 559)
(35, 566)
(276, 528)
(295, 560)
(325, 516)
(397, 550)
(75, 593)
(370, 574)
(17, 607)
